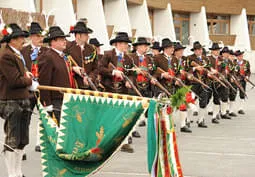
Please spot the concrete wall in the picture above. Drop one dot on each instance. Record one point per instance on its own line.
(139, 19)
(198, 27)
(163, 23)
(116, 13)
(24, 5)
(63, 12)
(96, 19)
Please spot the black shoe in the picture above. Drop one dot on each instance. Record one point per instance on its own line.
(195, 113)
(232, 114)
(191, 121)
(130, 140)
(188, 124)
(142, 124)
(215, 121)
(185, 130)
(218, 117)
(127, 148)
(241, 112)
(24, 157)
(202, 124)
(210, 113)
(136, 134)
(37, 149)
(227, 111)
(225, 116)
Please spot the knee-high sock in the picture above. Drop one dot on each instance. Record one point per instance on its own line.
(216, 110)
(18, 165)
(182, 116)
(202, 114)
(38, 134)
(242, 101)
(10, 161)
(191, 108)
(231, 106)
(224, 106)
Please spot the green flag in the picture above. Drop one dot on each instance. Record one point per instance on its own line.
(91, 130)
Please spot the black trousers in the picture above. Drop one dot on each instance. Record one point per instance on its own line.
(232, 93)
(203, 93)
(220, 93)
(57, 106)
(241, 94)
(16, 126)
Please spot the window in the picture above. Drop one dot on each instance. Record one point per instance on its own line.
(218, 24)
(181, 25)
(251, 24)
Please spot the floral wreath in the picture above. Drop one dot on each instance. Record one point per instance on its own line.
(6, 30)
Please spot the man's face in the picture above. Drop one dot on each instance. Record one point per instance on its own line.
(18, 42)
(122, 46)
(83, 37)
(240, 57)
(98, 50)
(59, 44)
(179, 53)
(231, 57)
(37, 40)
(225, 55)
(169, 50)
(142, 49)
(215, 52)
(198, 52)
(155, 52)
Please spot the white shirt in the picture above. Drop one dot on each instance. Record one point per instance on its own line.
(61, 53)
(118, 53)
(15, 50)
(33, 47)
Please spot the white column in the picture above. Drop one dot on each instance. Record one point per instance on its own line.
(239, 27)
(163, 23)
(198, 27)
(23, 5)
(63, 12)
(140, 20)
(93, 10)
(116, 13)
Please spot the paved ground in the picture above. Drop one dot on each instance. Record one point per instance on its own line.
(225, 150)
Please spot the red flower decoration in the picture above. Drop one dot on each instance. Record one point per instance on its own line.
(242, 72)
(171, 72)
(5, 32)
(189, 98)
(183, 107)
(71, 28)
(95, 150)
(141, 78)
(169, 110)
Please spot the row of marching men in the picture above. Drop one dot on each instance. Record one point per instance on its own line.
(78, 64)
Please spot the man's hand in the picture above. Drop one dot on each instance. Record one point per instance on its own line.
(118, 74)
(29, 75)
(214, 71)
(127, 84)
(85, 81)
(77, 70)
(153, 81)
(166, 75)
(34, 86)
(199, 68)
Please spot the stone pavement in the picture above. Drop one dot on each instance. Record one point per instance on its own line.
(224, 150)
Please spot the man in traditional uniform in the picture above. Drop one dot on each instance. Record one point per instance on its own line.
(55, 69)
(14, 98)
(83, 54)
(112, 78)
(179, 64)
(97, 45)
(232, 93)
(197, 61)
(31, 53)
(243, 72)
(220, 93)
(163, 61)
(143, 64)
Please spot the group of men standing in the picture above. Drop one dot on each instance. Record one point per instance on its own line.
(79, 64)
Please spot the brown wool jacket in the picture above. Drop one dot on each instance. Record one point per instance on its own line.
(80, 58)
(13, 84)
(52, 72)
(106, 71)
